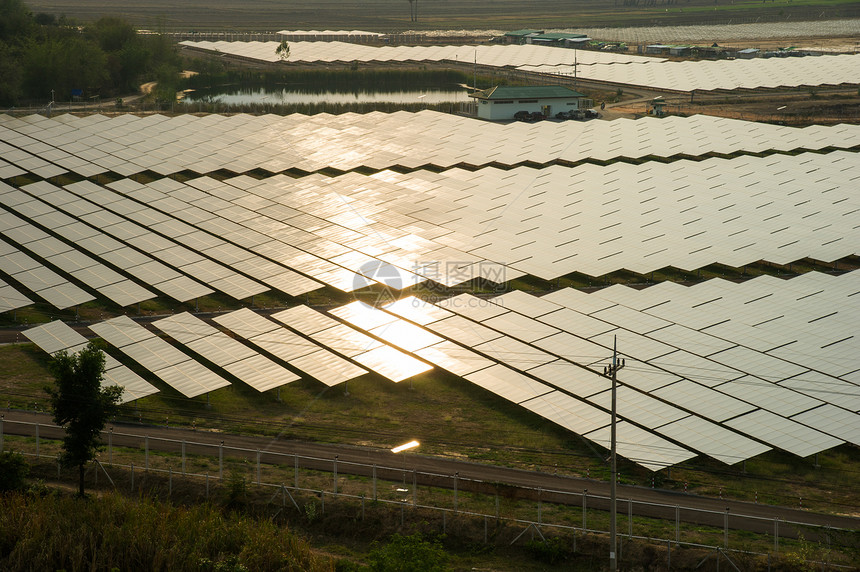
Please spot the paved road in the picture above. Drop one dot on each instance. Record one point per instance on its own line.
(438, 472)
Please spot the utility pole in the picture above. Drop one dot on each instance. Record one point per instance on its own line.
(611, 372)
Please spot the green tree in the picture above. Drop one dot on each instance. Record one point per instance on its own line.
(283, 51)
(81, 405)
(62, 64)
(407, 553)
(15, 20)
(10, 71)
(112, 33)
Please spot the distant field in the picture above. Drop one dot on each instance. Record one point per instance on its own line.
(394, 15)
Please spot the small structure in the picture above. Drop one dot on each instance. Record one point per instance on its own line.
(657, 49)
(657, 107)
(680, 51)
(521, 36)
(748, 53)
(501, 103)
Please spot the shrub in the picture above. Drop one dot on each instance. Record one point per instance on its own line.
(407, 553)
(13, 471)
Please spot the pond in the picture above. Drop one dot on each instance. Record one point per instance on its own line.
(280, 96)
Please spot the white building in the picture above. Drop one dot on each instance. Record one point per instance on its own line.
(501, 103)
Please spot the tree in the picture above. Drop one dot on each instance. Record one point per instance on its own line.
(81, 405)
(62, 64)
(283, 51)
(15, 20)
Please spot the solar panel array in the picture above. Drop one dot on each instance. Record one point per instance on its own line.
(39, 279)
(706, 75)
(294, 349)
(722, 369)
(175, 368)
(62, 255)
(84, 222)
(450, 227)
(247, 365)
(128, 144)
(725, 369)
(587, 64)
(495, 55)
(58, 336)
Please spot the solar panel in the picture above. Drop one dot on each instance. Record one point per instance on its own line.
(292, 348)
(713, 440)
(260, 372)
(640, 446)
(58, 336)
(165, 361)
(783, 433)
(328, 368)
(55, 336)
(508, 383)
(11, 299)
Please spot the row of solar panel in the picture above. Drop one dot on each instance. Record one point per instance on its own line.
(611, 67)
(127, 144)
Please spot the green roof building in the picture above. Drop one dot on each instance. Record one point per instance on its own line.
(519, 36)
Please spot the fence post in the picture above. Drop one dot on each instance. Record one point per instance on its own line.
(630, 519)
(169, 482)
(584, 509)
(726, 529)
(362, 507)
(183, 456)
(110, 446)
(374, 482)
(296, 472)
(677, 524)
(146, 452)
(414, 488)
(37, 440)
(539, 507)
(207, 485)
(1, 432)
(497, 506)
(335, 474)
(132, 477)
(221, 461)
(776, 535)
(322, 497)
(456, 505)
(258, 467)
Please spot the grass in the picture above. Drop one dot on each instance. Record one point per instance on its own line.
(64, 532)
(346, 528)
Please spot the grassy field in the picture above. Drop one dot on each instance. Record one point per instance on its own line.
(394, 15)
